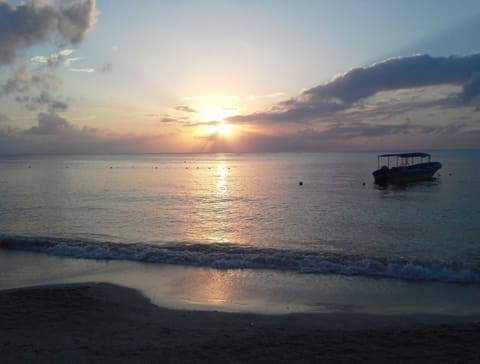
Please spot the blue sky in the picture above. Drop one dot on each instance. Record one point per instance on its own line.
(214, 76)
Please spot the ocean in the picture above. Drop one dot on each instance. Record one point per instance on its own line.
(269, 232)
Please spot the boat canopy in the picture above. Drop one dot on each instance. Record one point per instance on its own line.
(402, 159)
(406, 155)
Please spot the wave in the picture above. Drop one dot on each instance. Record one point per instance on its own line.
(231, 256)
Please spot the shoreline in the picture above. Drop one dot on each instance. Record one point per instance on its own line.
(101, 322)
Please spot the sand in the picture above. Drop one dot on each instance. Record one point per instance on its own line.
(96, 322)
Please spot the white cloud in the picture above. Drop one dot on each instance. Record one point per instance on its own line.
(69, 61)
(52, 59)
(85, 70)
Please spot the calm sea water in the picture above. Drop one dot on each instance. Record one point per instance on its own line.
(233, 211)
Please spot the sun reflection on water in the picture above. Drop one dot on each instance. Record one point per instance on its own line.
(221, 230)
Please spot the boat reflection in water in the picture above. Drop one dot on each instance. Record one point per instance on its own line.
(406, 168)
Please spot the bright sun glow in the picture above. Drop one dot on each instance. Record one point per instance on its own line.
(215, 117)
(222, 128)
(214, 113)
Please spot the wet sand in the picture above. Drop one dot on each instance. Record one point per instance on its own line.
(85, 323)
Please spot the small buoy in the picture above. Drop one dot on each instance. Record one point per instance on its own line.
(363, 184)
(449, 174)
(300, 183)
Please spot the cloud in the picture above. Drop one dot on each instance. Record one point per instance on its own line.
(35, 22)
(50, 124)
(472, 88)
(106, 68)
(55, 134)
(360, 83)
(202, 123)
(84, 70)
(3, 118)
(184, 108)
(394, 74)
(170, 120)
(44, 99)
(54, 59)
(165, 118)
(359, 136)
(69, 61)
(22, 81)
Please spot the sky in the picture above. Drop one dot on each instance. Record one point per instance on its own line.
(148, 76)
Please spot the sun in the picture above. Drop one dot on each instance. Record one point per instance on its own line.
(222, 128)
(214, 113)
(214, 118)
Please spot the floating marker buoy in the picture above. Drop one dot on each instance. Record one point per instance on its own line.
(363, 184)
(300, 183)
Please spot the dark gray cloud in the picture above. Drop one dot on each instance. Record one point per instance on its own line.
(360, 130)
(345, 131)
(55, 134)
(44, 100)
(50, 124)
(394, 74)
(472, 88)
(359, 83)
(35, 22)
(23, 80)
(360, 136)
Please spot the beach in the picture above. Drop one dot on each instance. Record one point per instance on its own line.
(98, 322)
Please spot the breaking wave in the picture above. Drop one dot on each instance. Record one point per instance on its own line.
(231, 256)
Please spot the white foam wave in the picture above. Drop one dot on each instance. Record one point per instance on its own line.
(230, 256)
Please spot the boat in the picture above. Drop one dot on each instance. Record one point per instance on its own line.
(404, 168)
